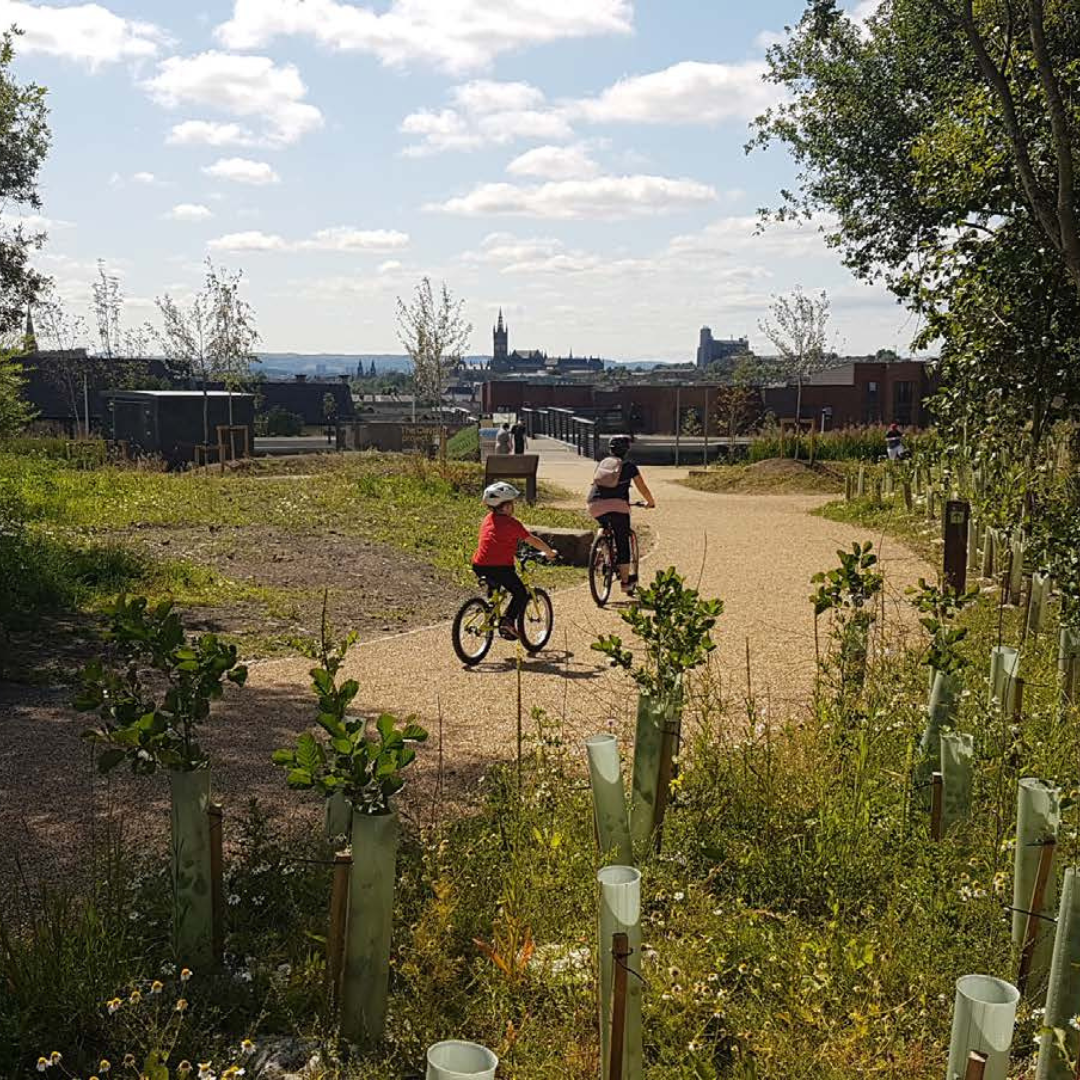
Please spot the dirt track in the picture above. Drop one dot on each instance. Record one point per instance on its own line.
(757, 553)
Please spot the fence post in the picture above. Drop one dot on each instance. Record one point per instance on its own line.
(937, 805)
(957, 513)
(976, 1066)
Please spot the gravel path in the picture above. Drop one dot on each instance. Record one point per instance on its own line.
(757, 553)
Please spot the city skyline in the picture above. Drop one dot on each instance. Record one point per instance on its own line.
(579, 165)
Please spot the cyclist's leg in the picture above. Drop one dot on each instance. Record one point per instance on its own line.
(620, 528)
(505, 577)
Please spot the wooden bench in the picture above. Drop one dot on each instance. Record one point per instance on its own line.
(513, 467)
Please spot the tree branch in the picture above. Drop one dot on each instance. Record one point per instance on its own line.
(1069, 237)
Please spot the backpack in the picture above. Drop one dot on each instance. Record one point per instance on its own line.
(608, 472)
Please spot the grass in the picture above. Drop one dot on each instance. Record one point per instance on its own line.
(889, 517)
(778, 478)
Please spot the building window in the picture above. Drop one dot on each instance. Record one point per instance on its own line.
(905, 401)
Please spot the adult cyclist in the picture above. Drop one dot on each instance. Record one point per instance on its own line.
(608, 501)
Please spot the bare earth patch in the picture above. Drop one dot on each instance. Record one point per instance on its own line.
(774, 476)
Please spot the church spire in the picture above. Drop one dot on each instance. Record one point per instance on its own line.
(30, 336)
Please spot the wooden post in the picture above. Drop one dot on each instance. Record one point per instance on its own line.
(955, 531)
(678, 422)
(667, 752)
(217, 880)
(1016, 698)
(1038, 892)
(937, 805)
(620, 953)
(335, 938)
(976, 1066)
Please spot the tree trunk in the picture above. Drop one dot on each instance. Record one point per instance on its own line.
(798, 418)
(205, 413)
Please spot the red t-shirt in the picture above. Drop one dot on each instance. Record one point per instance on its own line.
(499, 536)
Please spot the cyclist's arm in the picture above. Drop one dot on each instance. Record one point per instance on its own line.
(536, 542)
(646, 494)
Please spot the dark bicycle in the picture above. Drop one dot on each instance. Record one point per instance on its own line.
(603, 563)
(477, 622)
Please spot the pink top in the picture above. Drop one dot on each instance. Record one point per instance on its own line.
(609, 506)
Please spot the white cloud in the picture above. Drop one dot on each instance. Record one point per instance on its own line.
(609, 197)
(686, 93)
(210, 133)
(242, 171)
(144, 178)
(190, 212)
(554, 163)
(87, 33)
(248, 241)
(389, 266)
(767, 38)
(864, 10)
(30, 223)
(340, 238)
(746, 235)
(485, 113)
(246, 86)
(455, 35)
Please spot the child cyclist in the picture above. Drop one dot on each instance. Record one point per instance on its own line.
(496, 549)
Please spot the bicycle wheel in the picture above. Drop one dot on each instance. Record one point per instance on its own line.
(600, 569)
(633, 560)
(536, 621)
(473, 631)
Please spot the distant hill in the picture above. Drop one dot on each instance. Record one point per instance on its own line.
(337, 363)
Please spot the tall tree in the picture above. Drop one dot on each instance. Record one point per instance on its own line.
(15, 411)
(435, 334)
(66, 364)
(797, 326)
(211, 337)
(24, 142)
(108, 302)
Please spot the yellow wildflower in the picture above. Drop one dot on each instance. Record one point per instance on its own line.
(157, 986)
(185, 975)
(247, 1047)
(135, 997)
(55, 1057)
(113, 1005)
(42, 1064)
(104, 1066)
(181, 1005)
(184, 1067)
(129, 1061)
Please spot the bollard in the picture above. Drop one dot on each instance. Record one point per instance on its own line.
(956, 528)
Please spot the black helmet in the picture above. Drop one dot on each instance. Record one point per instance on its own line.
(619, 445)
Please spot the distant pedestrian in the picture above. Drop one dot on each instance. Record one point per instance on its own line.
(894, 442)
(502, 439)
(518, 431)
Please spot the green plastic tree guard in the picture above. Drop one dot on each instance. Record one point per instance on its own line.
(366, 975)
(1069, 664)
(1038, 817)
(973, 544)
(1016, 569)
(609, 800)
(988, 551)
(944, 697)
(957, 773)
(984, 1014)
(456, 1060)
(193, 910)
(338, 815)
(860, 483)
(1036, 614)
(652, 715)
(1004, 668)
(1063, 993)
(620, 913)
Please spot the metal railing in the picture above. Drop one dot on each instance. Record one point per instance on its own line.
(564, 425)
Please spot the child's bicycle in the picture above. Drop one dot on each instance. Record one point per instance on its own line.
(477, 622)
(603, 563)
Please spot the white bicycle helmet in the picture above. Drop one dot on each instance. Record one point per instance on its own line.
(500, 492)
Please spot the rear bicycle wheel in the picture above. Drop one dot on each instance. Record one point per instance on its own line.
(473, 631)
(600, 569)
(537, 621)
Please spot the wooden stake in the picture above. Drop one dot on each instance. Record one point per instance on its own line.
(217, 882)
(1016, 693)
(937, 805)
(976, 1066)
(620, 953)
(335, 938)
(668, 744)
(1046, 860)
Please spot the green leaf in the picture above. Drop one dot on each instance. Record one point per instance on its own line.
(110, 759)
(283, 757)
(309, 754)
(299, 779)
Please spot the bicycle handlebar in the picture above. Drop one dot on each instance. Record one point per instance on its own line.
(644, 504)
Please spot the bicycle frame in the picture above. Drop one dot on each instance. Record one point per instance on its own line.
(498, 597)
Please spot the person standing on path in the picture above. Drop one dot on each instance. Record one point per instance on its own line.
(518, 432)
(502, 439)
(608, 501)
(894, 442)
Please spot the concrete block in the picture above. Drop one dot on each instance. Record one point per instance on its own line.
(571, 544)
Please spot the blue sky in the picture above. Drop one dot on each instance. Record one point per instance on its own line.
(577, 162)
